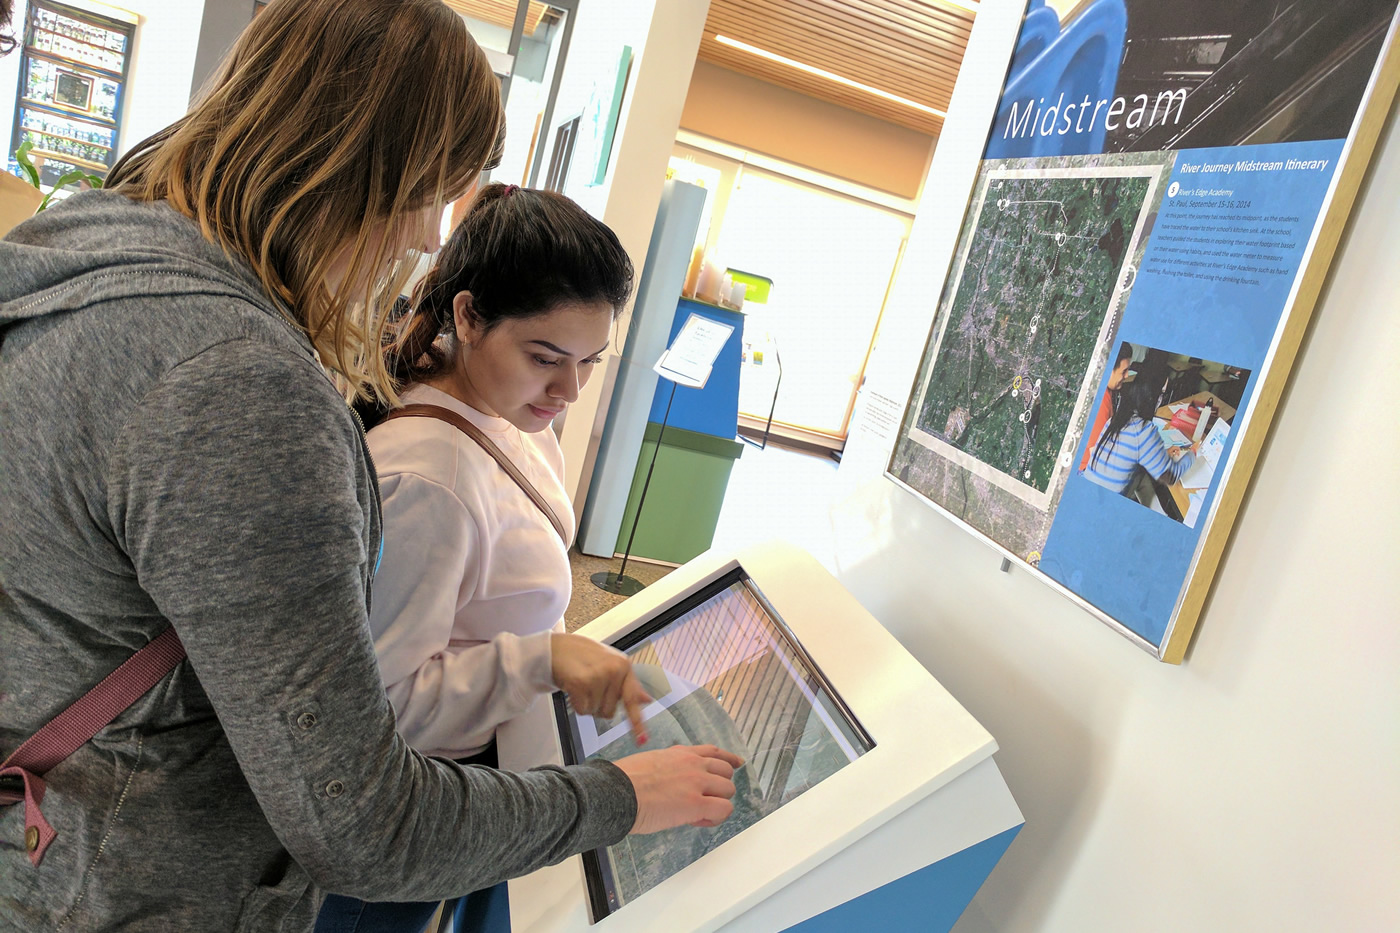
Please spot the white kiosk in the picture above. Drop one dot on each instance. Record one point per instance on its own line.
(868, 798)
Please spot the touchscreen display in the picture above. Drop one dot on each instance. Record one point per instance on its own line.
(723, 669)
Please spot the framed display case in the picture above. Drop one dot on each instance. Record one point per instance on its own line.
(1158, 199)
(73, 72)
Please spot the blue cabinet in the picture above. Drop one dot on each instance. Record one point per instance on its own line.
(714, 409)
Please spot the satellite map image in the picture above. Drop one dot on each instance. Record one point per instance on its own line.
(1031, 304)
(1043, 269)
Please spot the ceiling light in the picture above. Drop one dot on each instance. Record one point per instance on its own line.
(812, 70)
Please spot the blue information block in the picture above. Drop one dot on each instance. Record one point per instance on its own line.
(1194, 297)
(714, 409)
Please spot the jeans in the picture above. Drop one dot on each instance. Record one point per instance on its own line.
(479, 912)
(340, 914)
(485, 911)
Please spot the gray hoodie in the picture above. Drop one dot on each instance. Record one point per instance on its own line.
(172, 453)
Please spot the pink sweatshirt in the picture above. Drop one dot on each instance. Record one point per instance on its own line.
(474, 578)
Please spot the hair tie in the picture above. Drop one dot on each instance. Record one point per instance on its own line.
(510, 189)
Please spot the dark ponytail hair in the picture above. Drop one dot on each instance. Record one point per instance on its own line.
(520, 252)
(1139, 398)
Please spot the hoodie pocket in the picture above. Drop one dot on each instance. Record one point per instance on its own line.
(286, 904)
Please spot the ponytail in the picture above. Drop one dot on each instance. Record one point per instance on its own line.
(520, 252)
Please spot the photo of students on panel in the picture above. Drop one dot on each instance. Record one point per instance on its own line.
(1116, 374)
(181, 470)
(1161, 425)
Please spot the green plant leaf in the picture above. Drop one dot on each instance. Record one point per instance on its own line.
(68, 178)
(27, 164)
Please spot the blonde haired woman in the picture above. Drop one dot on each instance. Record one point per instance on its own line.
(177, 454)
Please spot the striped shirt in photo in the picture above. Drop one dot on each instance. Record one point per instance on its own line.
(1138, 444)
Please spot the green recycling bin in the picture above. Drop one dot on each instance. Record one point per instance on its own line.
(683, 502)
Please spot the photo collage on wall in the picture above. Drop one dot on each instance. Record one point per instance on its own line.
(1153, 183)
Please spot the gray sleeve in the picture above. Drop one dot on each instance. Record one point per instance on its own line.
(235, 491)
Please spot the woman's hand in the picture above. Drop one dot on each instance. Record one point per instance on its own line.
(597, 677)
(680, 785)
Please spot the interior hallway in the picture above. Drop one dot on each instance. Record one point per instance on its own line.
(773, 493)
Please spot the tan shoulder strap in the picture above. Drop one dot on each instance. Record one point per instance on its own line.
(478, 435)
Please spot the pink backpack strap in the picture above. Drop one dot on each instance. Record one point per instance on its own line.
(70, 729)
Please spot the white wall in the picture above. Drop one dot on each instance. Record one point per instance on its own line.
(158, 78)
(664, 36)
(600, 33)
(1254, 787)
(159, 85)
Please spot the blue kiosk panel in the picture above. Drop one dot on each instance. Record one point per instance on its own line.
(714, 409)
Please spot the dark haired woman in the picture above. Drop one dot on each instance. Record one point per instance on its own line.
(468, 601)
(1131, 440)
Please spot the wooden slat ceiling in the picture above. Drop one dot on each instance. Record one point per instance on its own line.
(904, 47)
(500, 12)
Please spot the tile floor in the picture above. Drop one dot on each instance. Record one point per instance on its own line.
(587, 601)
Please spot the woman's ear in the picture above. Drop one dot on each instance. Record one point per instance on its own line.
(465, 321)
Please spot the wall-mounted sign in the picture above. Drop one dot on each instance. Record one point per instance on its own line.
(1161, 192)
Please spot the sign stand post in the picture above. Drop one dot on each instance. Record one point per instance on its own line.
(687, 362)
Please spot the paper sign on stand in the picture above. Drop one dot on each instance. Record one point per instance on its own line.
(692, 354)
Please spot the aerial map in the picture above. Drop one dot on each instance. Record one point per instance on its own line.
(1031, 304)
(1044, 265)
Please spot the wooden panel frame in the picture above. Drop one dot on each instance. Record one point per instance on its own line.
(1250, 429)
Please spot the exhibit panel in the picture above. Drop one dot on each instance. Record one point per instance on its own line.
(862, 774)
(1158, 198)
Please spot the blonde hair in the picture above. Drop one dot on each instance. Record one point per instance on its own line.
(328, 127)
